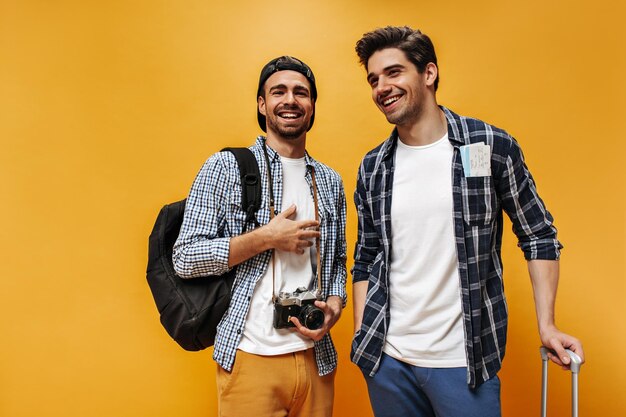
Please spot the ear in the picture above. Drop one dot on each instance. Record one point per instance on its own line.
(261, 105)
(430, 74)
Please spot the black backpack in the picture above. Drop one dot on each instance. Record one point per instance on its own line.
(192, 308)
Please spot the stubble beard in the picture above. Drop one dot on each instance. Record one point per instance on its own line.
(289, 132)
(406, 115)
(292, 132)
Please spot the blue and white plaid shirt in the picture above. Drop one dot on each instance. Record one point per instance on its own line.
(478, 203)
(213, 215)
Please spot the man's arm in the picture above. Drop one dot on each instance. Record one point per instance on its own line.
(544, 275)
(533, 225)
(359, 292)
(201, 249)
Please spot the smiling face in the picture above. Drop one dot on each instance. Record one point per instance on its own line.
(287, 105)
(399, 90)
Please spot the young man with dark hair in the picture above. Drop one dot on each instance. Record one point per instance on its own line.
(429, 305)
(270, 363)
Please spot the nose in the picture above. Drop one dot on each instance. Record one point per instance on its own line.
(289, 97)
(382, 87)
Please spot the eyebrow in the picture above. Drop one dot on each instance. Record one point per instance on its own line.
(386, 69)
(278, 87)
(284, 87)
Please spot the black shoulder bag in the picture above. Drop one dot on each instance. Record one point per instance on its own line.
(192, 308)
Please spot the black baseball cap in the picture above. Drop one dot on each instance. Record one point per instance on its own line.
(285, 63)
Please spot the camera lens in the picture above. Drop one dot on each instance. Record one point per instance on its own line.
(311, 317)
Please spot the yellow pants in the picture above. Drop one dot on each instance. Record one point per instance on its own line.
(275, 386)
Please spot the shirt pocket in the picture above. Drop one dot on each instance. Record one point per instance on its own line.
(479, 200)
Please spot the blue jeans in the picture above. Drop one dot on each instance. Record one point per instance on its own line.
(399, 389)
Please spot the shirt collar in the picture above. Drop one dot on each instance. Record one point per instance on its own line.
(389, 146)
(457, 134)
(273, 155)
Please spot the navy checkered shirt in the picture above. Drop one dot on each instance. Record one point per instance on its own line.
(478, 204)
(213, 215)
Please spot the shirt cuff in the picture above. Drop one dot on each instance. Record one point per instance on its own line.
(546, 249)
(339, 290)
(359, 275)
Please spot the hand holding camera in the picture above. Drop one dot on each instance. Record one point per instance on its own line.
(300, 304)
(332, 311)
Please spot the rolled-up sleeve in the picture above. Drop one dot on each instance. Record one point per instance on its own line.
(201, 249)
(532, 222)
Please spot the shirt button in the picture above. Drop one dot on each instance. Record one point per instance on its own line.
(238, 331)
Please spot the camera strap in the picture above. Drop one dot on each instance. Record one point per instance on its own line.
(270, 188)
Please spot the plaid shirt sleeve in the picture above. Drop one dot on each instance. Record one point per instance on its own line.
(334, 255)
(338, 272)
(367, 245)
(201, 248)
(532, 223)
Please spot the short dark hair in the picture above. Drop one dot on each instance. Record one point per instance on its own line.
(417, 46)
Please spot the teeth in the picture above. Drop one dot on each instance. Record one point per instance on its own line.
(289, 115)
(390, 100)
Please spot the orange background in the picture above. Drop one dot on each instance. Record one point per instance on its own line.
(108, 109)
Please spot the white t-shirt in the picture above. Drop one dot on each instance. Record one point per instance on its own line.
(292, 271)
(426, 326)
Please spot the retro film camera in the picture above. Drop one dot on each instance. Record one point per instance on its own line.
(298, 304)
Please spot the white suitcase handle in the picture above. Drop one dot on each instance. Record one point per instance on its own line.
(575, 365)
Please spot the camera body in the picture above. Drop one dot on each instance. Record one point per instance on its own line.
(300, 304)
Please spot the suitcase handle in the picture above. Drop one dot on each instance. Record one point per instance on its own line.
(575, 364)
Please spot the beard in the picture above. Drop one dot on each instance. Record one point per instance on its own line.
(291, 131)
(403, 116)
(287, 132)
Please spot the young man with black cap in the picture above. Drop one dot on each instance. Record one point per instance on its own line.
(265, 367)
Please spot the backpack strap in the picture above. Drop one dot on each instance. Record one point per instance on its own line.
(250, 184)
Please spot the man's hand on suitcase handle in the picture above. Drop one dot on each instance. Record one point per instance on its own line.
(558, 341)
(575, 361)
